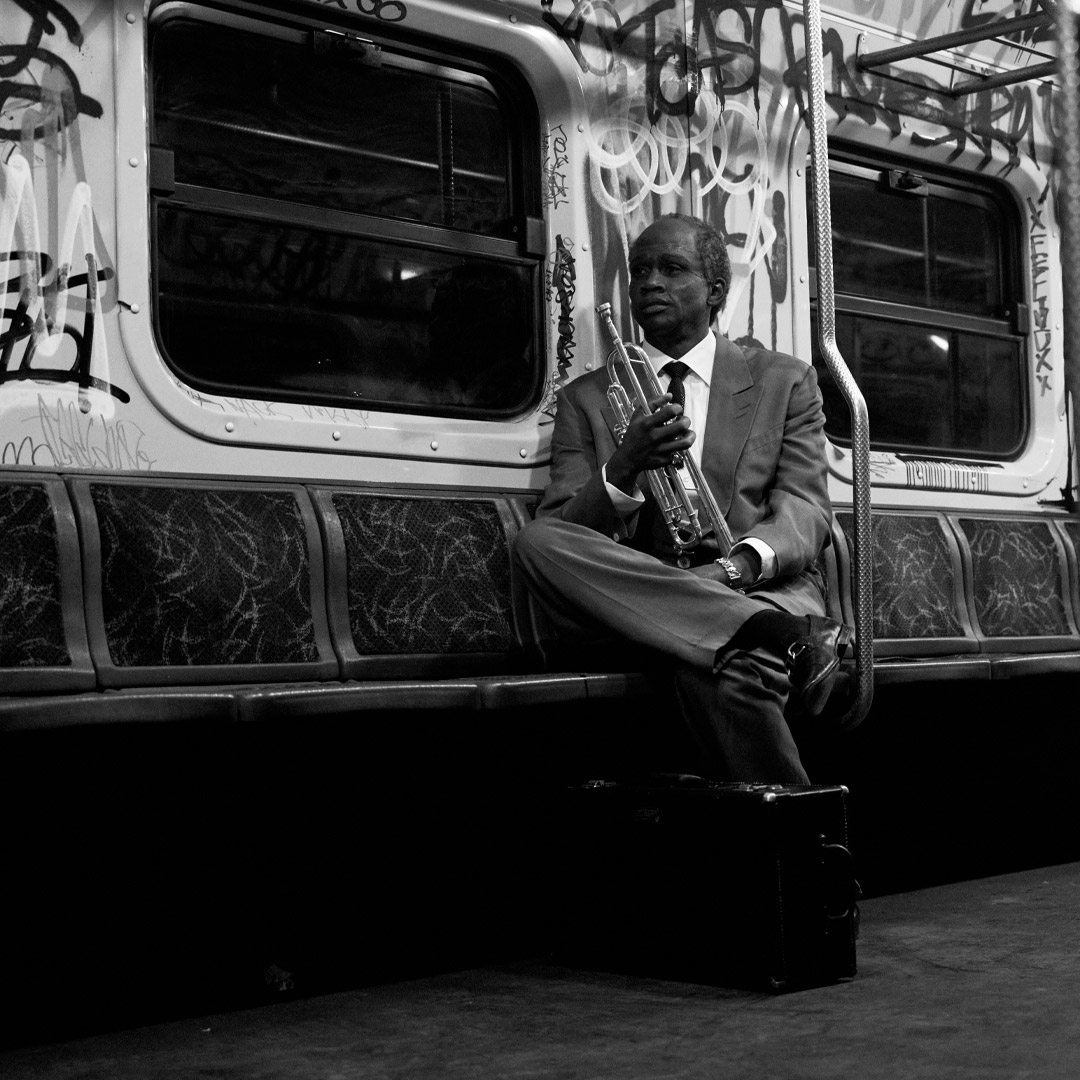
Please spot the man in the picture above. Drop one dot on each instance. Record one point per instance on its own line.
(744, 629)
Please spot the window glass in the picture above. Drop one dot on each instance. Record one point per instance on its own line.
(964, 245)
(878, 242)
(343, 223)
(929, 250)
(928, 390)
(258, 309)
(924, 314)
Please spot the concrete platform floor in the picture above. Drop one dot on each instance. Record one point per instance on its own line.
(979, 979)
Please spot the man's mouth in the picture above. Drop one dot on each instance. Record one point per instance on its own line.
(651, 307)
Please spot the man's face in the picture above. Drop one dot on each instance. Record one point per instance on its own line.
(669, 296)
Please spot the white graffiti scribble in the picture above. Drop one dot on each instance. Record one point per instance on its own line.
(71, 438)
(632, 162)
(258, 409)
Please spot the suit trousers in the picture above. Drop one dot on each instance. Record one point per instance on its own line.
(582, 585)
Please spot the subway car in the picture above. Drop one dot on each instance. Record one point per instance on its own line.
(291, 289)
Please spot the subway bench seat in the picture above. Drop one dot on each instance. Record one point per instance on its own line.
(172, 598)
(177, 598)
(969, 596)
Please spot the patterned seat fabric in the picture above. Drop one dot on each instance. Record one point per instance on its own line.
(31, 616)
(202, 576)
(425, 575)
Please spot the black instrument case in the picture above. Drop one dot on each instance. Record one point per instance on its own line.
(733, 884)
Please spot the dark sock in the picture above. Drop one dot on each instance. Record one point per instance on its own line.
(772, 630)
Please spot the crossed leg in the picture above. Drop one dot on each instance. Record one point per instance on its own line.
(586, 585)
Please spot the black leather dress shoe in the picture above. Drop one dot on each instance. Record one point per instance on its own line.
(813, 659)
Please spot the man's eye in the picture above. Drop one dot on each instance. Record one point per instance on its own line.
(672, 270)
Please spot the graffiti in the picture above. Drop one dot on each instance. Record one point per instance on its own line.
(45, 290)
(1018, 8)
(875, 99)
(26, 452)
(32, 75)
(589, 20)
(1040, 301)
(254, 408)
(71, 438)
(777, 266)
(276, 410)
(597, 36)
(391, 11)
(43, 344)
(978, 118)
(677, 73)
(50, 329)
(563, 282)
(630, 162)
(335, 415)
(693, 108)
(881, 463)
(555, 163)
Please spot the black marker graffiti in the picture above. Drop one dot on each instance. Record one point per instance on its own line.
(582, 19)
(1040, 307)
(777, 265)
(1032, 36)
(564, 282)
(730, 64)
(21, 327)
(555, 162)
(16, 62)
(734, 63)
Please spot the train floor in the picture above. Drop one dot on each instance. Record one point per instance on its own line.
(977, 978)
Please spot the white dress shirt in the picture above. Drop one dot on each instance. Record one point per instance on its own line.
(696, 386)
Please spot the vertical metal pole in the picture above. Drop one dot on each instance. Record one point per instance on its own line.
(860, 426)
(1068, 202)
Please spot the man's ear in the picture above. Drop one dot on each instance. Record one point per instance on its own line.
(717, 295)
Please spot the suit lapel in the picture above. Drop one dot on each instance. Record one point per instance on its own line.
(733, 402)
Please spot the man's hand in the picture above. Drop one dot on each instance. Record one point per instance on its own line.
(651, 441)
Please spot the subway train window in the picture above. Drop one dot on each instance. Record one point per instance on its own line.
(929, 314)
(342, 221)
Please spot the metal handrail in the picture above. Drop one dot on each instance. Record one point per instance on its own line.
(860, 425)
(1068, 163)
(983, 32)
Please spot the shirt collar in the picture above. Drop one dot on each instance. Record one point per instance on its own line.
(699, 359)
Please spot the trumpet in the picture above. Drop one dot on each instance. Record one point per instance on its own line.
(680, 514)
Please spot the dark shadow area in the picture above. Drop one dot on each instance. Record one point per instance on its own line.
(958, 780)
(162, 871)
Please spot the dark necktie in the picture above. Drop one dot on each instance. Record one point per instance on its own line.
(677, 370)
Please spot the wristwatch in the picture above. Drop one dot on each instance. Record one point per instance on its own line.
(734, 577)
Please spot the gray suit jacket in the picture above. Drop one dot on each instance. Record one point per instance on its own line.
(763, 457)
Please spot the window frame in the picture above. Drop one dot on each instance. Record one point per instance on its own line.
(1011, 325)
(409, 51)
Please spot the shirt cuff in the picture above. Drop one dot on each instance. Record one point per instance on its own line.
(768, 557)
(626, 506)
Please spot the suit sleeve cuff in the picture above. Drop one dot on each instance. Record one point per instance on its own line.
(768, 557)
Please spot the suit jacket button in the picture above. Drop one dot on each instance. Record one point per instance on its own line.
(615, 537)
